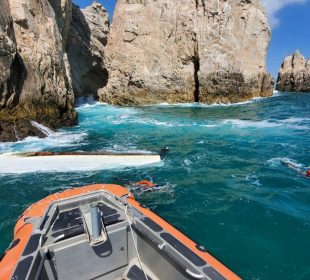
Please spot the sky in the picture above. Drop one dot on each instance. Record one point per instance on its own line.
(289, 20)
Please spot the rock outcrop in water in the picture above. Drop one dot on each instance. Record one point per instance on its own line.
(294, 75)
(185, 51)
(49, 51)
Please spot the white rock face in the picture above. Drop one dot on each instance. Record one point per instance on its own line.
(294, 75)
(187, 50)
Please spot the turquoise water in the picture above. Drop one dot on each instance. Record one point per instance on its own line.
(229, 190)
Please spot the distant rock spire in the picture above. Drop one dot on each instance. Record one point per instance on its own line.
(294, 75)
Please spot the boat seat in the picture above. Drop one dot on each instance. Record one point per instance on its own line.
(110, 215)
(70, 222)
(68, 219)
(136, 273)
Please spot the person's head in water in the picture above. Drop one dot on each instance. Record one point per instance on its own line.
(308, 173)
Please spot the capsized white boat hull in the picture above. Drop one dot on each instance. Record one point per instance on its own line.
(23, 163)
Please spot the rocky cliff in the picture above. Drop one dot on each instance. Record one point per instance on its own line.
(41, 44)
(86, 43)
(185, 51)
(294, 75)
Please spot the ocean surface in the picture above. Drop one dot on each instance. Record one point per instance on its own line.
(229, 185)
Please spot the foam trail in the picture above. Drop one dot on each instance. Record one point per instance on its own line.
(291, 123)
(284, 160)
(45, 130)
(202, 105)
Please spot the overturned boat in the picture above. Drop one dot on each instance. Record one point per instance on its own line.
(102, 232)
(73, 161)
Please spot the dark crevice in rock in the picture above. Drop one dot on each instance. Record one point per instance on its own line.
(96, 78)
(196, 62)
(87, 68)
(203, 5)
(197, 3)
(18, 75)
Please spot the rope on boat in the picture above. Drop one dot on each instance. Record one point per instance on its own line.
(135, 242)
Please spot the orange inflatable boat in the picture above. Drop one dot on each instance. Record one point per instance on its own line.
(102, 232)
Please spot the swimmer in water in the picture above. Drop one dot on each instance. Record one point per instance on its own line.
(147, 186)
(299, 170)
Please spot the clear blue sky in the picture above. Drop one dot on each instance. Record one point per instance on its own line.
(290, 31)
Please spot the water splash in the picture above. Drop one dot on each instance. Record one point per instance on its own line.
(45, 130)
(279, 161)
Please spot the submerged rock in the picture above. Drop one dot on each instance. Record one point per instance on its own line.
(186, 51)
(49, 51)
(294, 75)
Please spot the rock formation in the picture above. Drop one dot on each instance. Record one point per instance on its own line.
(86, 43)
(49, 50)
(294, 75)
(8, 58)
(186, 51)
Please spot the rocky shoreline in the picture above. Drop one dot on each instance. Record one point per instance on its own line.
(52, 52)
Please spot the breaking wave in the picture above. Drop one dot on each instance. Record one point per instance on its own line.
(57, 140)
(45, 130)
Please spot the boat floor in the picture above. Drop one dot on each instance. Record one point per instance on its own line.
(134, 272)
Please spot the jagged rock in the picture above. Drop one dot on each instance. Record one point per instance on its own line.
(49, 51)
(37, 86)
(14, 131)
(7, 55)
(294, 75)
(86, 42)
(185, 51)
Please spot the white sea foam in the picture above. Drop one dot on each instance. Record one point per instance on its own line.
(86, 101)
(294, 120)
(253, 180)
(126, 149)
(248, 123)
(277, 93)
(288, 123)
(187, 162)
(154, 122)
(211, 125)
(90, 105)
(56, 140)
(195, 104)
(146, 121)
